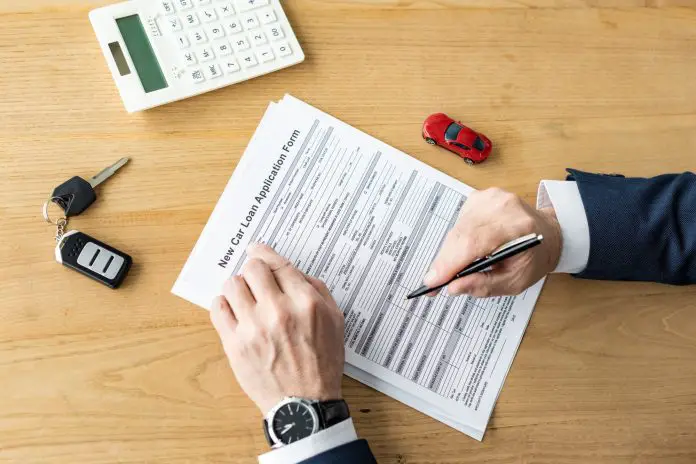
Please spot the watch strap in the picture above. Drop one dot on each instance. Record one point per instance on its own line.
(332, 412)
(266, 433)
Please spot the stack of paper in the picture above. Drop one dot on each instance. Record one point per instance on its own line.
(367, 219)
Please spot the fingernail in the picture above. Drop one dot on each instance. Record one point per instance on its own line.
(430, 276)
(450, 292)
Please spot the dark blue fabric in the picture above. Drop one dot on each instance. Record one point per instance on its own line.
(355, 452)
(640, 229)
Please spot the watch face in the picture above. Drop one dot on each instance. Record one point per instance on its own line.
(292, 422)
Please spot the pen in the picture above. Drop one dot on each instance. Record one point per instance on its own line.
(506, 251)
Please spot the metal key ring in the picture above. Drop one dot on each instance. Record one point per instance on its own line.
(62, 221)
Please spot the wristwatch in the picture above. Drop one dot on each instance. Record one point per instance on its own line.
(293, 419)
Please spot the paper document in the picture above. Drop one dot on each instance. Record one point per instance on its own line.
(368, 220)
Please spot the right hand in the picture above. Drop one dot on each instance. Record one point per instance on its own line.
(489, 219)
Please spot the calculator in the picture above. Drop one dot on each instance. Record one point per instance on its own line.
(160, 51)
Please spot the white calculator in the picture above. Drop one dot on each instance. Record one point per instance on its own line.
(160, 51)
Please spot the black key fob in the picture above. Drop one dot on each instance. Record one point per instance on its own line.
(74, 196)
(93, 258)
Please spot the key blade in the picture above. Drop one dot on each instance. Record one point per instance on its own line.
(107, 172)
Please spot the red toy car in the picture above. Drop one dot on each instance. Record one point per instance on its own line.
(440, 129)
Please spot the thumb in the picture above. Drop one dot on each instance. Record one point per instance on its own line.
(320, 287)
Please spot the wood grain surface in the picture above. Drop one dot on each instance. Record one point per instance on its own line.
(606, 372)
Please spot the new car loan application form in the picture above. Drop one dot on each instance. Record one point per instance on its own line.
(368, 220)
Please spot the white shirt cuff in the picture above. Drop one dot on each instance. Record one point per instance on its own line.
(564, 197)
(333, 437)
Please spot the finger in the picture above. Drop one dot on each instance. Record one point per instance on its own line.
(484, 284)
(456, 253)
(320, 287)
(463, 245)
(222, 317)
(268, 255)
(289, 279)
(433, 293)
(239, 297)
(260, 279)
(325, 293)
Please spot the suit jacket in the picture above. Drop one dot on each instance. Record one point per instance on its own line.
(640, 229)
(355, 452)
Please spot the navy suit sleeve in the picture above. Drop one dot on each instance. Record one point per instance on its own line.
(355, 452)
(640, 229)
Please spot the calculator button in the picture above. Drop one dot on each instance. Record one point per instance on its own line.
(222, 48)
(190, 58)
(190, 19)
(216, 31)
(248, 60)
(275, 32)
(233, 26)
(208, 15)
(250, 21)
(183, 41)
(198, 36)
(197, 75)
(265, 54)
(246, 5)
(212, 71)
(205, 54)
(258, 38)
(225, 10)
(240, 44)
(167, 7)
(174, 24)
(230, 66)
(184, 4)
(202, 2)
(267, 16)
(282, 49)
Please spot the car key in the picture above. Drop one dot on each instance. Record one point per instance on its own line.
(93, 258)
(76, 194)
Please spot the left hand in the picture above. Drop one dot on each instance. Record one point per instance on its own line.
(281, 330)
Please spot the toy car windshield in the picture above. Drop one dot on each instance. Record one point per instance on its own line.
(453, 131)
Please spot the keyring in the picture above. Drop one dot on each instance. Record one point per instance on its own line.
(46, 217)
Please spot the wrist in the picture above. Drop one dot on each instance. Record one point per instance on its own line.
(269, 401)
(553, 238)
(294, 419)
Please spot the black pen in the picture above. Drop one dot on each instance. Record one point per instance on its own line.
(506, 251)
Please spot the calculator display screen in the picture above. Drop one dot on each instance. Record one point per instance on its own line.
(141, 52)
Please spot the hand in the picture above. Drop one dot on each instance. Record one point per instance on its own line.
(489, 219)
(281, 330)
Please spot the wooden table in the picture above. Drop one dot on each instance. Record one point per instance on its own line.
(606, 372)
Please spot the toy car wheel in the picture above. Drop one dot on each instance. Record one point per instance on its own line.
(469, 161)
(430, 141)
